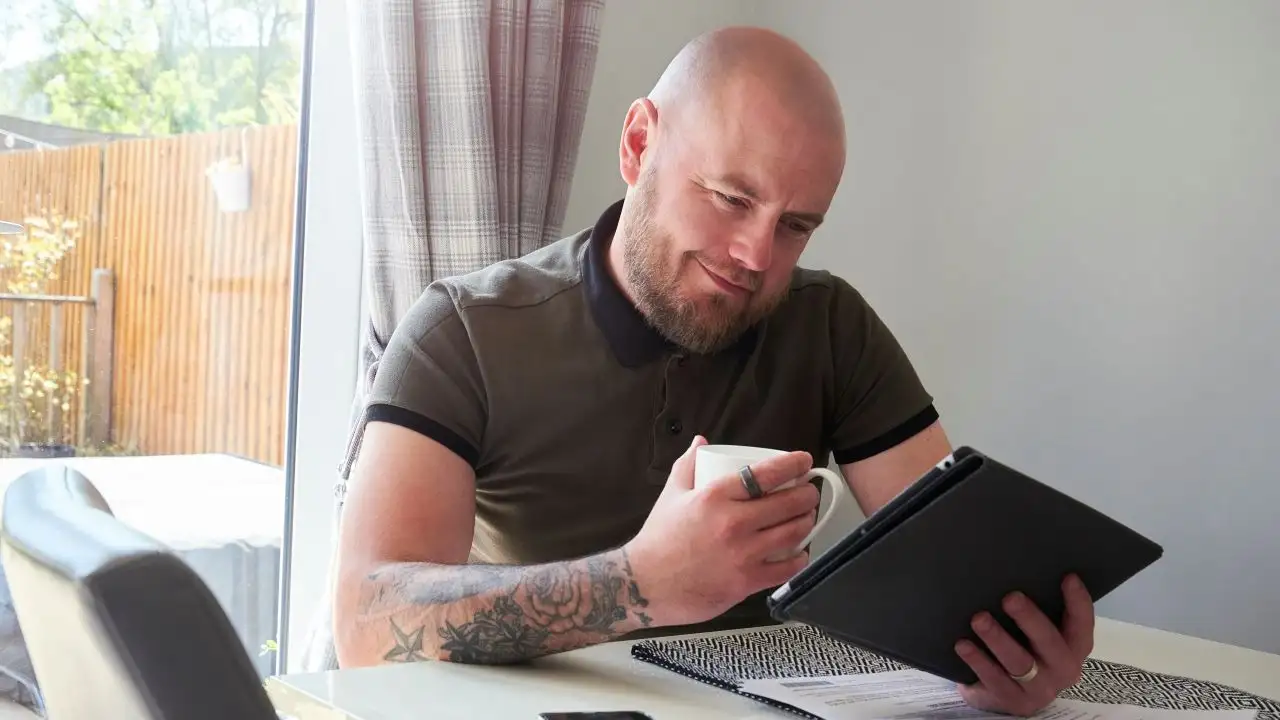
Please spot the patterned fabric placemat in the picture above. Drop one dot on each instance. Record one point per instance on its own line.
(803, 651)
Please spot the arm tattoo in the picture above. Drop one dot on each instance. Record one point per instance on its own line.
(501, 613)
(408, 647)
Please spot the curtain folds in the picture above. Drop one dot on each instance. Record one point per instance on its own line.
(470, 115)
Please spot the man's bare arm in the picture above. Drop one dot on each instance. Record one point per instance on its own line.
(405, 592)
(499, 613)
(877, 479)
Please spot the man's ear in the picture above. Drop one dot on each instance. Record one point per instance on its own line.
(638, 131)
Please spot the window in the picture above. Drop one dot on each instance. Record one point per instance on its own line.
(149, 170)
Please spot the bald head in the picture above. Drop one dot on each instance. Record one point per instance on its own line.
(732, 162)
(748, 66)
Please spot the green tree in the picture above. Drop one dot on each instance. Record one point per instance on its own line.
(157, 67)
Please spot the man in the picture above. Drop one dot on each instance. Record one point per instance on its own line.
(524, 482)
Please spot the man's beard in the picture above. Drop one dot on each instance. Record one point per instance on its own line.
(701, 324)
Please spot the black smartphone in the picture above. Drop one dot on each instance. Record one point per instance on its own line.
(597, 715)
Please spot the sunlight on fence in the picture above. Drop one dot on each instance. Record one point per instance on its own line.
(202, 296)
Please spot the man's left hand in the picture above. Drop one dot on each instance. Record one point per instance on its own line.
(1022, 681)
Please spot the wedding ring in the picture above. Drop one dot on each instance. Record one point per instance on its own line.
(749, 482)
(1029, 675)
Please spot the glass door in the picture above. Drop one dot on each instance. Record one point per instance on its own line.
(149, 179)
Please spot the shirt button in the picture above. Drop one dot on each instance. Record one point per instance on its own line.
(674, 427)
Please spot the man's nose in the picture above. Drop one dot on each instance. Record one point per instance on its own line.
(752, 248)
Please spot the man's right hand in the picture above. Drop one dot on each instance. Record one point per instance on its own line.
(702, 551)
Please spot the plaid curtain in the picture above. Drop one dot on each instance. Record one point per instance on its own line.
(469, 117)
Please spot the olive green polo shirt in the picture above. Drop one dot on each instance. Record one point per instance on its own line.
(572, 409)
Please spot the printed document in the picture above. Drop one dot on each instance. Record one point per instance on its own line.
(916, 695)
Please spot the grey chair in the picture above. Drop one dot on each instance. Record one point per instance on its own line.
(116, 625)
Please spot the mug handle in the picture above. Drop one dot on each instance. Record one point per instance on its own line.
(840, 492)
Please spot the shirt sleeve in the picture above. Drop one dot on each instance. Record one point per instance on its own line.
(880, 400)
(428, 380)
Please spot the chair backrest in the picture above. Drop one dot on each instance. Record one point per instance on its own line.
(115, 624)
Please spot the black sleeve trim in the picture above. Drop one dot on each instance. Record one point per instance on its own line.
(380, 412)
(905, 431)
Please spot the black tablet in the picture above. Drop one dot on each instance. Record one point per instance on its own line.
(907, 582)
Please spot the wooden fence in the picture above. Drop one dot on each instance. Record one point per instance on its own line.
(91, 421)
(202, 296)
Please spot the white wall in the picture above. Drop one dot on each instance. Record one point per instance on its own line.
(1070, 214)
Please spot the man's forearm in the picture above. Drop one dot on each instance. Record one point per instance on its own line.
(497, 613)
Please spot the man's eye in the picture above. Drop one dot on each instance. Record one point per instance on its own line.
(799, 228)
(730, 200)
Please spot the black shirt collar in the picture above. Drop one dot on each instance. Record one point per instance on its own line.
(634, 341)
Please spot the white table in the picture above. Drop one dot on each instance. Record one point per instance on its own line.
(606, 677)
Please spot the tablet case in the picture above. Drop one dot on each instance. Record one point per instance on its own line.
(909, 580)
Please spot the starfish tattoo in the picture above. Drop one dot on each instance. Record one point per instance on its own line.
(408, 645)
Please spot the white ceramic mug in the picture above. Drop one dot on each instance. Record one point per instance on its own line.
(715, 461)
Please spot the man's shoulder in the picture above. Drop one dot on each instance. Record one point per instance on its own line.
(821, 301)
(811, 286)
(524, 282)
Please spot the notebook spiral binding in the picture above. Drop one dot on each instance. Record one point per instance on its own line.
(647, 655)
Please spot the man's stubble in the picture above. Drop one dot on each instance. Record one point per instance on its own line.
(705, 324)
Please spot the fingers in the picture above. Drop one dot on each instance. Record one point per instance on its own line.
(1012, 657)
(1057, 655)
(782, 539)
(682, 469)
(773, 574)
(1045, 638)
(1078, 621)
(781, 507)
(770, 473)
(995, 684)
(996, 690)
(979, 698)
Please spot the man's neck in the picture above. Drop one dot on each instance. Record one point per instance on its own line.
(615, 262)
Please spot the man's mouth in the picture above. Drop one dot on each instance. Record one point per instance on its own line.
(724, 283)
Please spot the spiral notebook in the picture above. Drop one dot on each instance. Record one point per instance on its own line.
(801, 651)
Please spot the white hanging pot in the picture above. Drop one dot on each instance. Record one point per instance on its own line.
(230, 177)
(231, 186)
